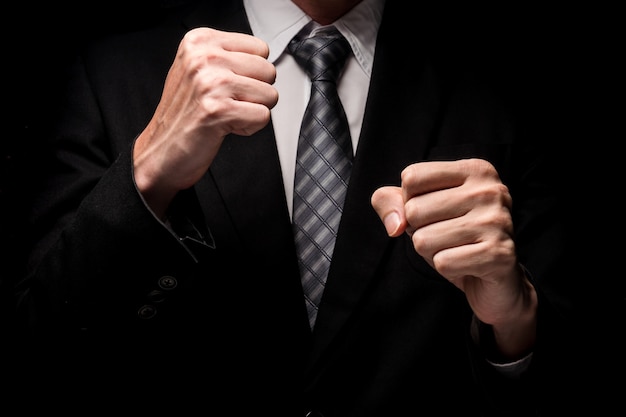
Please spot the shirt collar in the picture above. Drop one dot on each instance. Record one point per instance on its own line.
(277, 21)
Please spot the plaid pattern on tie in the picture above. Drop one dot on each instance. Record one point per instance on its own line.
(323, 164)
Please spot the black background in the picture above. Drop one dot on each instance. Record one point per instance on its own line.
(560, 65)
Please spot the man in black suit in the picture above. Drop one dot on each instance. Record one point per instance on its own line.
(164, 257)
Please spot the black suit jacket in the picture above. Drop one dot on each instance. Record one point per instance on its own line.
(207, 311)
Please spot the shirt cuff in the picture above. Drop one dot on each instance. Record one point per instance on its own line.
(482, 336)
(514, 369)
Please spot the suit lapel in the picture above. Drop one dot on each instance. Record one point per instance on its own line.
(243, 199)
(246, 172)
(243, 193)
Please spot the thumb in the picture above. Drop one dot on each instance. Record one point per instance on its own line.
(389, 205)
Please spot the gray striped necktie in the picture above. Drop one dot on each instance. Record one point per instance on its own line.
(323, 163)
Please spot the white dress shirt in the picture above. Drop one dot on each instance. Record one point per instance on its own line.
(277, 22)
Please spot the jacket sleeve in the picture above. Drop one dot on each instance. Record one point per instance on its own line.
(92, 232)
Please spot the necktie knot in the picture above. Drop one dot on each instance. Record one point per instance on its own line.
(322, 56)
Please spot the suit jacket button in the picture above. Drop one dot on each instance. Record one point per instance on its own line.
(147, 312)
(168, 282)
(156, 296)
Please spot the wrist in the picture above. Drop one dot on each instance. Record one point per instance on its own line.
(513, 337)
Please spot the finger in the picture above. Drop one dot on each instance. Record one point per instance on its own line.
(389, 205)
(439, 236)
(247, 55)
(251, 66)
(218, 84)
(238, 63)
(486, 198)
(436, 206)
(425, 177)
(229, 41)
(254, 91)
(242, 42)
(488, 260)
(491, 223)
(227, 115)
(243, 54)
(481, 191)
(246, 118)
